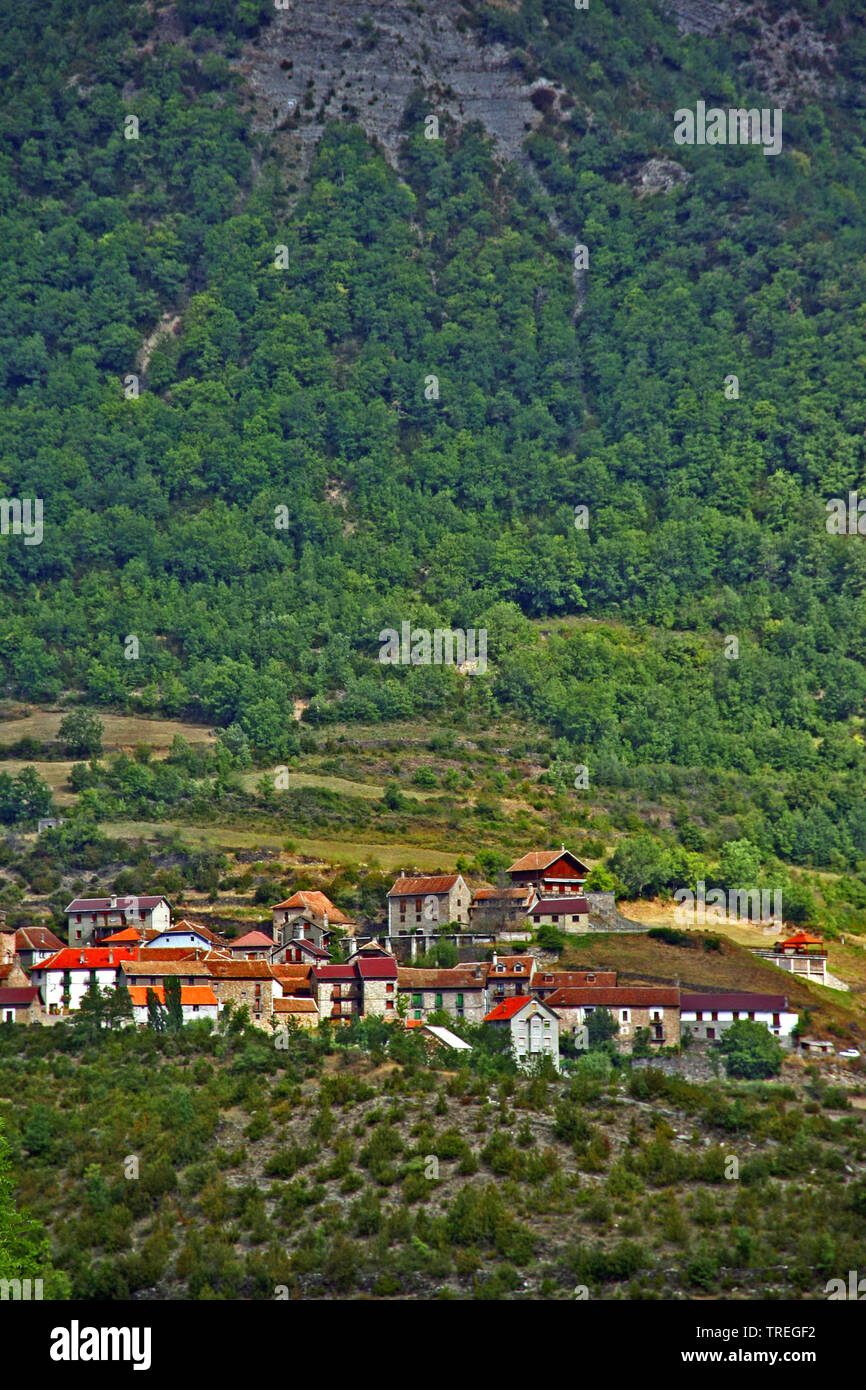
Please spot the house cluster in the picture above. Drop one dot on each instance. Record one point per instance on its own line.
(290, 972)
(544, 887)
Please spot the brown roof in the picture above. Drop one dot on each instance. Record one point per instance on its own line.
(518, 894)
(132, 968)
(252, 938)
(526, 964)
(407, 978)
(425, 883)
(542, 859)
(292, 971)
(617, 997)
(185, 925)
(572, 979)
(736, 1003)
(294, 1005)
(240, 969)
(37, 939)
(314, 902)
(19, 998)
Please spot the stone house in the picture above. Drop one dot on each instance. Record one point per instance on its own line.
(90, 919)
(298, 951)
(249, 982)
(460, 992)
(508, 976)
(20, 1004)
(64, 978)
(309, 916)
(500, 909)
(533, 1026)
(362, 988)
(654, 1007)
(707, 1015)
(568, 913)
(302, 1011)
(425, 902)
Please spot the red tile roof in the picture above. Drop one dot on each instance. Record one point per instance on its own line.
(573, 979)
(37, 939)
(314, 902)
(616, 997)
(252, 938)
(294, 1005)
(379, 968)
(86, 958)
(129, 934)
(309, 948)
(508, 1008)
(424, 883)
(158, 966)
(517, 894)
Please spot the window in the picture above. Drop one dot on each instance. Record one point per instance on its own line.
(555, 917)
(417, 904)
(417, 1013)
(518, 969)
(439, 1001)
(460, 1001)
(776, 1020)
(590, 979)
(416, 1002)
(389, 989)
(711, 1032)
(623, 1015)
(715, 1015)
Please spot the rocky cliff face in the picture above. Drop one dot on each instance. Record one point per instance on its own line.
(352, 60)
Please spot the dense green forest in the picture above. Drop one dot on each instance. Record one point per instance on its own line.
(281, 489)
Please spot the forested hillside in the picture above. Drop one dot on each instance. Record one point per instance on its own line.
(281, 488)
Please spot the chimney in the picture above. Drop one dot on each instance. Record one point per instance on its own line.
(494, 958)
(81, 959)
(112, 903)
(477, 972)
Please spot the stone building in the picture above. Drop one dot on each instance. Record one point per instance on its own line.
(364, 987)
(552, 873)
(425, 902)
(508, 976)
(20, 1004)
(460, 992)
(309, 916)
(546, 982)
(35, 944)
(653, 1007)
(500, 909)
(568, 913)
(90, 919)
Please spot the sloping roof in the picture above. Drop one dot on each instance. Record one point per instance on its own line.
(542, 859)
(132, 968)
(509, 1007)
(519, 893)
(240, 969)
(319, 952)
(548, 906)
(314, 902)
(802, 938)
(294, 1005)
(121, 904)
(615, 997)
(184, 926)
(37, 939)
(252, 938)
(573, 979)
(379, 968)
(119, 938)
(292, 971)
(86, 958)
(165, 953)
(424, 883)
(526, 968)
(456, 978)
(331, 972)
(18, 998)
(189, 994)
(444, 1035)
(735, 1003)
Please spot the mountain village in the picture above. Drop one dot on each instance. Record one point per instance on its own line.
(317, 965)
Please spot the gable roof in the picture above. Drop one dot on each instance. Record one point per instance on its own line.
(313, 902)
(519, 893)
(615, 996)
(37, 939)
(320, 952)
(573, 979)
(129, 935)
(252, 938)
(86, 958)
(542, 859)
(507, 1008)
(185, 927)
(423, 883)
(240, 969)
(519, 967)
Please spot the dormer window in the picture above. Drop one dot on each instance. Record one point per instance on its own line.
(518, 969)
